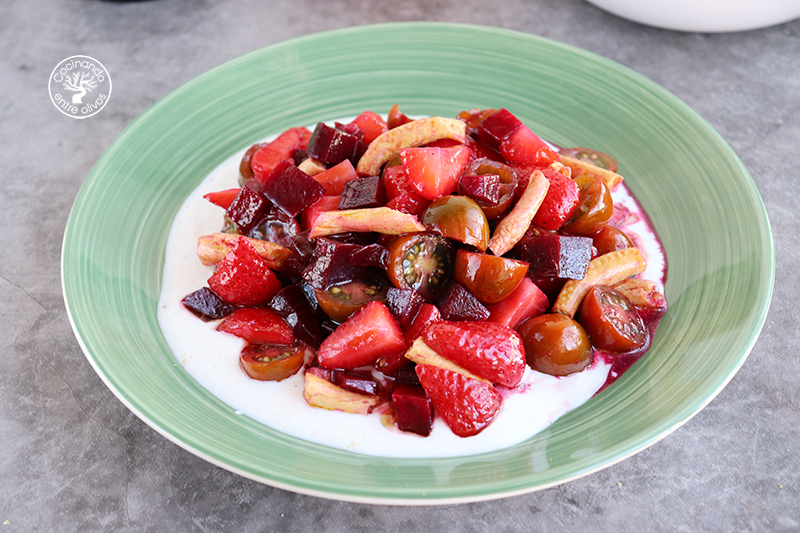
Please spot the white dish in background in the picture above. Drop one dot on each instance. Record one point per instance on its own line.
(704, 15)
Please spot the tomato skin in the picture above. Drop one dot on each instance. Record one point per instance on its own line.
(594, 157)
(340, 301)
(420, 261)
(555, 344)
(611, 239)
(459, 218)
(266, 362)
(595, 207)
(612, 321)
(489, 278)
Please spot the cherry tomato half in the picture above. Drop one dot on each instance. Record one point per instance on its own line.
(341, 301)
(611, 239)
(595, 207)
(459, 218)
(611, 320)
(593, 157)
(489, 278)
(420, 261)
(267, 362)
(555, 344)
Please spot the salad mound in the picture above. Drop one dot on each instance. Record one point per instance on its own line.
(420, 268)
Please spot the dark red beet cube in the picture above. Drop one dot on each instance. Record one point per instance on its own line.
(291, 189)
(404, 304)
(393, 364)
(363, 192)
(413, 410)
(207, 304)
(293, 306)
(408, 376)
(457, 303)
(371, 255)
(249, 206)
(481, 187)
(331, 264)
(303, 249)
(498, 126)
(355, 381)
(332, 146)
(555, 256)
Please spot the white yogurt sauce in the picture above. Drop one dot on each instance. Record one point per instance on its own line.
(212, 358)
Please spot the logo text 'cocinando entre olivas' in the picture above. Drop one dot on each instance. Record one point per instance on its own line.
(80, 86)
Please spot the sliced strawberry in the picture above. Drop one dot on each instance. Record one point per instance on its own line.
(466, 405)
(264, 160)
(525, 302)
(369, 334)
(560, 202)
(396, 117)
(371, 125)
(486, 349)
(222, 199)
(335, 177)
(326, 203)
(259, 325)
(523, 146)
(434, 171)
(427, 315)
(243, 278)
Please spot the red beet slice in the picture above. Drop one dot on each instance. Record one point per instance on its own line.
(457, 303)
(293, 306)
(332, 146)
(404, 304)
(363, 192)
(483, 188)
(277, 227)
(249, 206)
(207, 305)
(413, 410)
(291, 189)
(555, 256)
(497, 127)
(371, 255)
(331, 264)
(355, 381)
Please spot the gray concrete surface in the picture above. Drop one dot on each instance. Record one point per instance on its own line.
(73, 458)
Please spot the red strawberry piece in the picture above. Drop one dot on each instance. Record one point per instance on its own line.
(524, 146)
(335, 177)
(243, 278)
(526, 301)
(222, 198)
(265, 160)
(560, 202)
(310, 214)
(488, 350)
(371, 125)
(368, 335)
(466, 405)
(432, 171)
(427, 315)
(259, 325)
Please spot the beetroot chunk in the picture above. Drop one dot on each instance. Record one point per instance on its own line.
(457, 303)
(331, 264)
(207, 305)
(249, 206)
(497, 127)
(291, 189)
(373, 255)
(332, 146)
(484, 188)
(363, 192)
(355, 381)
(413, 410)
(404, 304)
(293, 306)
(555, 256)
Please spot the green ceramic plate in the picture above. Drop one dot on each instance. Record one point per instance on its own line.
(700, 197)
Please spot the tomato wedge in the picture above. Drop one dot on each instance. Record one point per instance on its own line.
(267, 362)
(611, 320)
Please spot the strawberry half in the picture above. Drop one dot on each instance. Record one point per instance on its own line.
(488, 350)
(560, 202)
(369, 334)
(432, 171)
(267, 158)
(259, 325)
(243, 278)
(466, 405)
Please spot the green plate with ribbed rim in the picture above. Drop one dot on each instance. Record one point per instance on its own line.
(698, 194)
